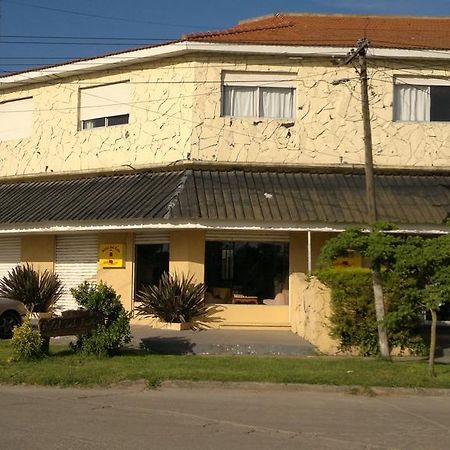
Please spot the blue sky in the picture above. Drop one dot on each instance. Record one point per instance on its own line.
(41, 32)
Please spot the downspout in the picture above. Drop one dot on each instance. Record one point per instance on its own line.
(309, 253)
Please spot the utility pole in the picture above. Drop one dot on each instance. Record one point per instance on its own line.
(360, 52)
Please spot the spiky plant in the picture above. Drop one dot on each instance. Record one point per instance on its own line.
(39, 291)
(174, 299)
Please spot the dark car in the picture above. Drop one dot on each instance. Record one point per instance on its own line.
(12, 313)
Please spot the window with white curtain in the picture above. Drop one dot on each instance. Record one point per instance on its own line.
(105, 106)
(252, 94)
(422, 100)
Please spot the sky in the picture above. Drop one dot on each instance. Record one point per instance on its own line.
(44, 32)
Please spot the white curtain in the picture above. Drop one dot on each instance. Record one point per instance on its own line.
(412, 103)
(239, 101)
(276, 103)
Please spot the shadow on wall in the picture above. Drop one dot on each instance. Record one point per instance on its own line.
(208, 320)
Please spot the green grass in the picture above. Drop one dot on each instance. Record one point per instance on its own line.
(64, 368)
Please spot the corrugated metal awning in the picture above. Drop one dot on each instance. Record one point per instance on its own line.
(231, 196)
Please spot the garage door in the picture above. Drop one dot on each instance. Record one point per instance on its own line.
(10, 254)
(76, 261)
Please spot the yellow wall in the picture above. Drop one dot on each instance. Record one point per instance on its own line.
(40, 251)
(121, 279)
(254, 317)
(317, 241)
(175, 114)
(187, 253)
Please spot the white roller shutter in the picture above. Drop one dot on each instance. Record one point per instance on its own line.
(236, 236)
(10, 254)
(152, 237)
(104, 101)
(76, 261)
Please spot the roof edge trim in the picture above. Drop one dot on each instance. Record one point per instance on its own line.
(19, 229)
(121, 59)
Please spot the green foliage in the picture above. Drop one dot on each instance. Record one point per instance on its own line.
(352, 317)
(26, 343)
(39, 291)
(114, 330)
(422, 269)
(379, 247)
(174, 300)
(416, 275)
(353, 320)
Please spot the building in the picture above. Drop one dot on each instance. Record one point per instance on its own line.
(230, 155)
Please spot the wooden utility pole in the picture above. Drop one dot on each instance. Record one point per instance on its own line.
(360, 52)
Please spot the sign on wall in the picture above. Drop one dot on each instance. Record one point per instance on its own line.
(111, 256)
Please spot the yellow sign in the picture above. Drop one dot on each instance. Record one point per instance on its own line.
(111, 256)
(352, 260)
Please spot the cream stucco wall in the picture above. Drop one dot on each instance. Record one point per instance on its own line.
(310, 314)
(175, 115)
(121, 279)
(39, 251)
(327, 128)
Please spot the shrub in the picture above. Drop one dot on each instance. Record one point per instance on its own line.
(353, 320)
(26, 343)
(39, 291)
(174, 300)
(114, 330)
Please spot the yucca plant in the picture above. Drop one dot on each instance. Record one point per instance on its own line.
(39, 291)
(174, 299)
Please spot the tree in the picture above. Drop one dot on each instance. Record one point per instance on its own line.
(422, 266)
(416, 268)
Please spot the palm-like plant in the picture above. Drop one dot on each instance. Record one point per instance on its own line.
(174, 299)
(39, 291)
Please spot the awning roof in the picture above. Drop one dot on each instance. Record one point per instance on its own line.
(228, 195)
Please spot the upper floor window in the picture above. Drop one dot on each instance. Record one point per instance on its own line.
(105, 106)
(422, 100)
(16, 119)
(252, 94)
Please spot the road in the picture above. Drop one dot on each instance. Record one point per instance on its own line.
(217, 417)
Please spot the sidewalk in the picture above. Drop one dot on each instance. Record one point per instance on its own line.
(220, 342)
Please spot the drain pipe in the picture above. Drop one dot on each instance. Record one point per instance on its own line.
(309, 253)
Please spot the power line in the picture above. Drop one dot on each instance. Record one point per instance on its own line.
(99, 16)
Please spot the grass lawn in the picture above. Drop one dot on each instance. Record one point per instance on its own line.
(63, 368)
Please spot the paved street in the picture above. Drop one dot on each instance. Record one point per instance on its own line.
(218, 418)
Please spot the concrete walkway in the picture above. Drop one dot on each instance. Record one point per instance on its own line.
(220, 342)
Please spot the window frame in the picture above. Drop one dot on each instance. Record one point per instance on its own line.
(123, 106)
(257, 81)
(425, 82)
(105, 122)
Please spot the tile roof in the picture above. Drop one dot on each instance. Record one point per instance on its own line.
(336, 31)
(233, 195)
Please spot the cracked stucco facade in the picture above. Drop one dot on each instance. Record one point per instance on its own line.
(175, 114)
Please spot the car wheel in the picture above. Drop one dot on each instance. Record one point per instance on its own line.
(8, 321)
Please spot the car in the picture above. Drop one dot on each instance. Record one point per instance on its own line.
(12, 314)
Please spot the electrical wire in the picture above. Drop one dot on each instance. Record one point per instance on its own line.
(99, 16)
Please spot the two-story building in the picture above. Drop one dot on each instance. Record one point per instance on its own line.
(231, 155)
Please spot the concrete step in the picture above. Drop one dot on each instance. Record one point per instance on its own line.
(222, 342)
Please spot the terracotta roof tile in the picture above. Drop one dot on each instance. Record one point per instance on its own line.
(337, 31)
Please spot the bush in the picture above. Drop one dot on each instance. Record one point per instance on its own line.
(114, 330)
(26, 343)
(174, 300)
(353, 320)
(39, 291)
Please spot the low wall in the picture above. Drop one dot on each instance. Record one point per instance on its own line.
(238, 316)
(310, 310)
